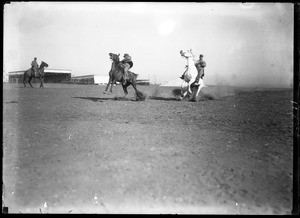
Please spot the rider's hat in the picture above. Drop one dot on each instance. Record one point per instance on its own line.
(201, 55)
(126, 55)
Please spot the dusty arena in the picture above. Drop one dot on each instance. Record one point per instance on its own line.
(72, 149)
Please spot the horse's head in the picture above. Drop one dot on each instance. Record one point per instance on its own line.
(187, 53)
(44, 64)
(114, 57)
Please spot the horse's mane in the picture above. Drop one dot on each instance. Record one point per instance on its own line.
(44, 64)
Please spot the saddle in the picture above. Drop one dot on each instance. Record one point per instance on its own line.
(36, 74)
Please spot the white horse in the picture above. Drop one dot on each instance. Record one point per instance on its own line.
(189, 75)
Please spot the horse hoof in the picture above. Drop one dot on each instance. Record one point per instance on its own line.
(109, 93)
(104, 92)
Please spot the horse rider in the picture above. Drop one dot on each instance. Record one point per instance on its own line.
(34, 66)
(200, 64)
(126, 64)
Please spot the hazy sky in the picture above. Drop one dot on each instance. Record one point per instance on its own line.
(243, 44)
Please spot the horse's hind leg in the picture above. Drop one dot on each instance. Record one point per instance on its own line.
(189, 88)
(134, 85)
(24, 82)
(125, 88)
(139, 95)
(29, 81)
(195, 89)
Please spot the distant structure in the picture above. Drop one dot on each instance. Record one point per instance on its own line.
(173, 83)
(92, 79)
(145, 82)
(51, 76)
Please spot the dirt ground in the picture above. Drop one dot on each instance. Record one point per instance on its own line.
(71, 149)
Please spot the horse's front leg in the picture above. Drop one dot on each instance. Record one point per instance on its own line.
(109, 83)
(111, 86)
(183, 91)
(42, 82)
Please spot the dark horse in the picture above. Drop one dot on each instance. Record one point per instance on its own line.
(116, 75)
(29, 74)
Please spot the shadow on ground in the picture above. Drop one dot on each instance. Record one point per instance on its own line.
(11, 102)
(163, 98)
(94, 99)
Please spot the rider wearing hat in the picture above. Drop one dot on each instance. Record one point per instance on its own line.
(200, 64)
(126, 64)
(34, 66)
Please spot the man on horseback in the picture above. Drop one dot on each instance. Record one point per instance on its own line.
(126, 64)
(200, 64)
(34, 67)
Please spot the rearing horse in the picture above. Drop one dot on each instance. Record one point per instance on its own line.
(190, 73)
(116, 75)
(29, 74)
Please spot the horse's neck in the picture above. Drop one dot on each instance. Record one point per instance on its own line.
(115, 64)
(191, 70)
(41, 68)
(190, 60)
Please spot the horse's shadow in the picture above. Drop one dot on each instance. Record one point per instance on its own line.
(94, 99)
(163, 98)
